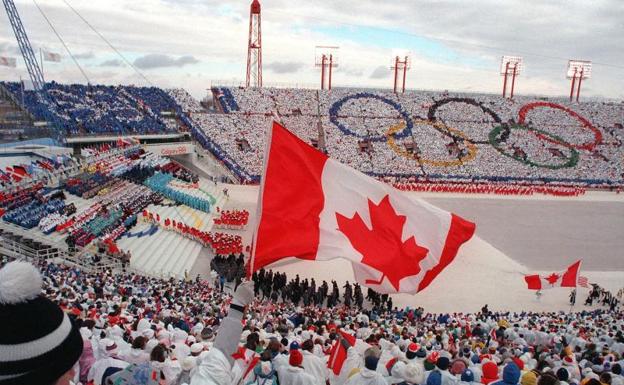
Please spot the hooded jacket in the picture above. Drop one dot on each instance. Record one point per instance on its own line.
(511, 375)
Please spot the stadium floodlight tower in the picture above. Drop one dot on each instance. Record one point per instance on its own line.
(326, 57)
(510, 66)
(401, 63)
(578, 69)
(254, 47)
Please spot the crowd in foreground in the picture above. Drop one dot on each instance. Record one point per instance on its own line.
(132, 329)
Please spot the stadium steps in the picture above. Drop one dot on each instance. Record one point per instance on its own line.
(192, 258)
(149, 257)
(165, 253)
(172, 254)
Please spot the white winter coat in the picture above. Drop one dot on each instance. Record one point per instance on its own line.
(315, 367)
(214, 369)
(292, 375)
(366, 377)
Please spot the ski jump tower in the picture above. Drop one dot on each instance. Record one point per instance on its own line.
(33, 67)
(254, 47)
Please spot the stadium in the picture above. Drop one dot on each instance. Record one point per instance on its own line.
(251, 233)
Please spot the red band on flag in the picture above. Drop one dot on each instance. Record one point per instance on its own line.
(570, 277)
(534, 282)
(291, 200)
(461, 231)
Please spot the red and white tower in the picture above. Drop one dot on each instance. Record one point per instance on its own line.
(510, 66)
(578, 70)
(401, 63)
(326, 57)
(254, 47)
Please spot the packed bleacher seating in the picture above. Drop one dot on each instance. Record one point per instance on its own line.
(128, 326)
(425, 136)
(97, 109)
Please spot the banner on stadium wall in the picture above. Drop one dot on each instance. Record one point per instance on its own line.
(171, 149)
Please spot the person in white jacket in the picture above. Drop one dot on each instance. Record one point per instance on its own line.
(368, 375)
(294, 374)
(137, 354)
(216, 366)
(312, 364)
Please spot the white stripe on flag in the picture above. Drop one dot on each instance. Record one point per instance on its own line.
(583, 281)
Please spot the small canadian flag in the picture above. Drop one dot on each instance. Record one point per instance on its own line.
(313, 207)
(568, 278)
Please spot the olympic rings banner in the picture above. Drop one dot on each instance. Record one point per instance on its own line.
(567, 154)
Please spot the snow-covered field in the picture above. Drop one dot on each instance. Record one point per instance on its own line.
(482, 273)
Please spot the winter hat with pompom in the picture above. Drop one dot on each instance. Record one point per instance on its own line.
(295, 358)
(38, 342)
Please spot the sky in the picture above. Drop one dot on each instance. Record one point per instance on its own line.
(454, 44)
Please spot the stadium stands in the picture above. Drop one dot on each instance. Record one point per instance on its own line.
(426, 136)
(413, 138)
(97, 109)
(107, 188)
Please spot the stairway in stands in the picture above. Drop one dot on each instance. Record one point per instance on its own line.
(166, 253)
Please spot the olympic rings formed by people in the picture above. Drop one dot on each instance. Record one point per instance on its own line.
(404, 129)
(451, 132)
(335, 108)
(571, 160)
(586, 124)
(431, 114)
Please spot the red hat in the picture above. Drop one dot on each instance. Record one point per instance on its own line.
(296, 358)
(490, 372)
(518, 362)
(413, 347)
(433, 357)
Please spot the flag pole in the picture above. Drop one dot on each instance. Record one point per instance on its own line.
(265, 163)
(41, 58)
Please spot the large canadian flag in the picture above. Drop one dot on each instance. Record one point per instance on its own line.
(315, 208)
(568, 278)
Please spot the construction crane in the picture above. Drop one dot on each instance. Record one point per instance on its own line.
(34, 69)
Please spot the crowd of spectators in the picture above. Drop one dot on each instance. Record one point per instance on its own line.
(97, 109)
(434, 136)
(134, 329)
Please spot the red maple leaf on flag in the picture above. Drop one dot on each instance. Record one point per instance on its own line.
(553, 278)
(382, 247)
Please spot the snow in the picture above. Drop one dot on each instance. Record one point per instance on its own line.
(481, 274)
